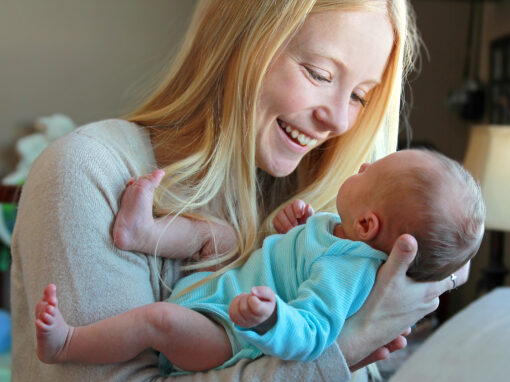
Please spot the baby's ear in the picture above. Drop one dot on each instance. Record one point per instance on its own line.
(367, 227)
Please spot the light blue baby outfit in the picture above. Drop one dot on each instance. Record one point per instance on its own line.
(319, 280)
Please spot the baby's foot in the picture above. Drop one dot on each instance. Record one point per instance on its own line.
(134, 221)
(52, 332)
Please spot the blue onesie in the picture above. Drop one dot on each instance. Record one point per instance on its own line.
(319, 281)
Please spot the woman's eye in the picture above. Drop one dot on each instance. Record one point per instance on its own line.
(316, 76)
(359, 99)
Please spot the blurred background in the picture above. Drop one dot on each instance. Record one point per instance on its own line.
(92, 59)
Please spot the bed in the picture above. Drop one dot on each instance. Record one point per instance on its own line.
(473, 345)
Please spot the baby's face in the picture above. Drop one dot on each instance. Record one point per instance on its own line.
(358, 193)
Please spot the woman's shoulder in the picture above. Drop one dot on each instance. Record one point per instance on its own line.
(106, 152)
(114, 134)
(112, 140)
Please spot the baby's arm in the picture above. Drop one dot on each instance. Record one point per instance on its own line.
(293, 214)
(136, 229)
(255, 310)
(308, 323)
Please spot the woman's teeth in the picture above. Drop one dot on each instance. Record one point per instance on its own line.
(304, 140)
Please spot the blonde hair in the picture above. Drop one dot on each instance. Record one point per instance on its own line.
(441, 205)
(202, 117)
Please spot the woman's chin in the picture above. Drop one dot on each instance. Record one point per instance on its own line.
(280, 169)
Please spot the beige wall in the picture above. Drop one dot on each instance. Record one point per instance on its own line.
(83, 58)
(443, 26)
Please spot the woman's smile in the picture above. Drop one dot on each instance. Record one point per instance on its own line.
(296, 135)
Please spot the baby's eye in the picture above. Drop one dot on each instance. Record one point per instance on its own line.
(315, 75)
(358, 98)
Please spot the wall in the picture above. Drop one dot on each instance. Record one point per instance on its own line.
(443, 27)
(86, 59)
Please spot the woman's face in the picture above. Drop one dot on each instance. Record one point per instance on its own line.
(315, 88)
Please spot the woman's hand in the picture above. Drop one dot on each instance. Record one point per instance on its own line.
(395, 303)
(383, 352)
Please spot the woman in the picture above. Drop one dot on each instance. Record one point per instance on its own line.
(265, 102)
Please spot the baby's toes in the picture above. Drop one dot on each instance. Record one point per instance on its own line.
(47, 318)
(40, 308)
(50, 309)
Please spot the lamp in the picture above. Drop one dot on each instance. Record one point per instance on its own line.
(488, 160)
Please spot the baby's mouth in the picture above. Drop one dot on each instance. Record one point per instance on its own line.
(297, 136)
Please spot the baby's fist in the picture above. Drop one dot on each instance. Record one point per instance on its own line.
(293, 214)
(249, 310)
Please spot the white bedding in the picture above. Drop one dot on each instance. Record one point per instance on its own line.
(474, 345)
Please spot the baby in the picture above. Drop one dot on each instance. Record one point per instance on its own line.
(291, 298)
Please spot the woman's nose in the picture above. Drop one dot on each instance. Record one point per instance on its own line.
(334, 115)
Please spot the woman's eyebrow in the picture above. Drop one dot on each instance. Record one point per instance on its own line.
(339, 63)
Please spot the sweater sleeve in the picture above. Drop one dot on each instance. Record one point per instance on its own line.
(62, 236)
(336, 288)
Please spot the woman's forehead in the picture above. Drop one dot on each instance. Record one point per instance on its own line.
(360, 40)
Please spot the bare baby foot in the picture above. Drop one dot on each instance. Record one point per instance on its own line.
(52, 332)
(134, 221)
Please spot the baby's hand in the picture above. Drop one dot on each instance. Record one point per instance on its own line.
(292, 215)
(249, 310)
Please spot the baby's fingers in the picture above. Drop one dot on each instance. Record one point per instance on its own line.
(264, 293)
(247, 310)
(234, 310)
(261, 303)
(307, 212)
(240, 311)
(281, 223)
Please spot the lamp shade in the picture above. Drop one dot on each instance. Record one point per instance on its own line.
(488, 160)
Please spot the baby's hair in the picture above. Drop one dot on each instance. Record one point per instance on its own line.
(448, 214)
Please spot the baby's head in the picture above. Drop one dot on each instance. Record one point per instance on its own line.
(422, 193)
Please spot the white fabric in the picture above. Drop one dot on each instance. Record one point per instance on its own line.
(474, 345)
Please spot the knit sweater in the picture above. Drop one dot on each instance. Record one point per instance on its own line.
(63, 236)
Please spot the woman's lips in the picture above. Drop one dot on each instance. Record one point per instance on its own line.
(297, 136)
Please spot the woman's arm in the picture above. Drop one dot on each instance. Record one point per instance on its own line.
(395, 303)
(62, 236)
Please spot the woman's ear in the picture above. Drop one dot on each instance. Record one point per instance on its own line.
(367, 227)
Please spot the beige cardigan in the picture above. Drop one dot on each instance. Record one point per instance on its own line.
(62, 236)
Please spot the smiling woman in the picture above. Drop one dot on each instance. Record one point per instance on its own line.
(249, 70)
(317, 85)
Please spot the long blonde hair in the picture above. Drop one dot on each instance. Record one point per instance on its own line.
(202, 117)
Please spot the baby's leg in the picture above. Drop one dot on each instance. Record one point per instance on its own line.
(134, 227)
(196, 342)
(187, 338)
